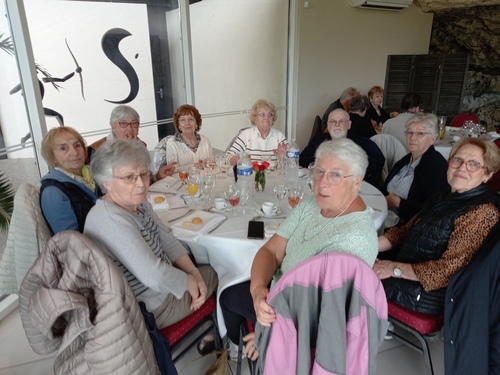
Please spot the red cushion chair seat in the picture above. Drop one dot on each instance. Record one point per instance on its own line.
(178, 330)
(459, 120)
(425, 324)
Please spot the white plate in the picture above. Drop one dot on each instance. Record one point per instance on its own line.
(158, 206)
(208, 221)
(277, 213)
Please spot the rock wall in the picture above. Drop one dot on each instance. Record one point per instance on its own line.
(475, 31)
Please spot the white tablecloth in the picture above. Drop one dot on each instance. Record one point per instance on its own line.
(443, 146)
(227, 248)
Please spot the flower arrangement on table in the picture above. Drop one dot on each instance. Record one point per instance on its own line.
(260, 176)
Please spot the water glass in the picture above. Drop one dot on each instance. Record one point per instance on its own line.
(295, 194)
(220, 160)
(280, 192)
(233, 196)
(209, 164)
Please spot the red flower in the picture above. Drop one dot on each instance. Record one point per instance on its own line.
(260, 167)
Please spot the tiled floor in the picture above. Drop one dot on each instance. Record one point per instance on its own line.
(17, 358)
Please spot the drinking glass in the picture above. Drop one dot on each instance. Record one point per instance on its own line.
(244, 195)
(233, 196)
(209, 164)
(280, 192)
(442, 126)
(281, 164)
(295, 194)
(208, 184)
(220, 160)
(192, 186)
(183, 175)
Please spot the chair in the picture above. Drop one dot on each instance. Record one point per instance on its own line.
(245, 328)
(234, 138)
(391, 148)
(338, 330)
(424, 327)
(458, 120)
(27, 237)
(179, 332)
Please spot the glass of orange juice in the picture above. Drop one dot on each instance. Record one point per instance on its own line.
(192, 186)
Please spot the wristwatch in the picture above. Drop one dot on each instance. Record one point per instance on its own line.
(397, 272)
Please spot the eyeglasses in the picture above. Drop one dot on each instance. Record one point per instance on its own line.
(334, 122)
(132, 178)
(263, 114)
(409, 133)
(124, 124)
(333, 177)
(471, 165)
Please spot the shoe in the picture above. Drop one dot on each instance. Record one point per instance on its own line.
(390, 329)
(233, 352)
(205, 347)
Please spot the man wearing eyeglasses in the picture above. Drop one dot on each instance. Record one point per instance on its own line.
(124, 123)
(338, 128)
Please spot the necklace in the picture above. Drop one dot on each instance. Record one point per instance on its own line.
(306, 237)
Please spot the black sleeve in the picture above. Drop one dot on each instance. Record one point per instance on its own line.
(307, 156)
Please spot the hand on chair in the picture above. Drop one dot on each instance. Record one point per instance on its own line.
(250, 348)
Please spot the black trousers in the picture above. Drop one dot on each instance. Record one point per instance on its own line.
(237, 306)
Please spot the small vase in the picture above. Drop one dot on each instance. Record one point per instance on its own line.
(260, 181)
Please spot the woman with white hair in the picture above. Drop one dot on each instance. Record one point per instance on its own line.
(334, 219)
(124, 121)
(154, 262)
(421, 173)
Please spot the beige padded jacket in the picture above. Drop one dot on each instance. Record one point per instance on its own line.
(75, 301)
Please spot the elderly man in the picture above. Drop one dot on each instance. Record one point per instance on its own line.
(338, 127)
(342, 103)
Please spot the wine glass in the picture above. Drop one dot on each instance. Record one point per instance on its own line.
(295, 194)
(280, 192)
(192, 186)
(209, 164)
(183, 175)
(233, 195)
(442, 126)
(220, 160)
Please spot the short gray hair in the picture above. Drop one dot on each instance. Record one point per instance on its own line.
(347, 151)
(349, 93)
(121, 112)
(114, 154)
(428, 120)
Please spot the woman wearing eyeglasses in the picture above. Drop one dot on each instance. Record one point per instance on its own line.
(186, 147)
(124, 123)
(261, 139)
(153, 261)
(68, 191)
(442, 238)
(334, 219)
(419, 174)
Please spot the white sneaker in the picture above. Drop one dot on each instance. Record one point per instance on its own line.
(233, 352)
(390, 329)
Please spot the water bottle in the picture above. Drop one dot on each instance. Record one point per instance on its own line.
(244, 170)
(292, 162)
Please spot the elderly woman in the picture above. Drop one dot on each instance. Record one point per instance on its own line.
(442, 238)
(334, 219)
(360, 123)
(68, 191)
(153, 261)
(260, 139)
(421, 173)
(124, 123)
(375, 113)
(186, 147)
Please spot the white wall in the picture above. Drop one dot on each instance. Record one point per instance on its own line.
(341, 46)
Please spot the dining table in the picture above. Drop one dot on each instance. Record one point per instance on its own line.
(224, 244)
(455, 134)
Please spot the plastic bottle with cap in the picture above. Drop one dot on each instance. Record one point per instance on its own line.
(244, 170)
(292, 162)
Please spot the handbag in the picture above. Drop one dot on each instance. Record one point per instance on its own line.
(161, 344)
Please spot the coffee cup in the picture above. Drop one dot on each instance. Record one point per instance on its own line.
(220, 204)
(268, 208)
(456, 138)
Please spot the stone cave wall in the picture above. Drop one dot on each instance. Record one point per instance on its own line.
(475, 31)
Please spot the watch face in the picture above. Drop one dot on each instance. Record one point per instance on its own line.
(397, 272)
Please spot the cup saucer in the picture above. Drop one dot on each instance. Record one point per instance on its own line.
(213, 209)
(278, 212)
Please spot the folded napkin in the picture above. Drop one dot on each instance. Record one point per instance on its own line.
(165, 185)
(190, 226)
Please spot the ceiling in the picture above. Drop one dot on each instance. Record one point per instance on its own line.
(446, 5)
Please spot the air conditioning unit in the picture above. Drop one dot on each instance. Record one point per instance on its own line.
(396, 5)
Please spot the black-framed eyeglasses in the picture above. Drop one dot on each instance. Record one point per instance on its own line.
(333, 177)
(335, 122)
(132, 178)
(124, 124)
(470, 165)
(263, 114)
(409, 133)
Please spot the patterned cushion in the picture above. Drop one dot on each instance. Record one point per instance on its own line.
(177, 331)
(426, 324)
